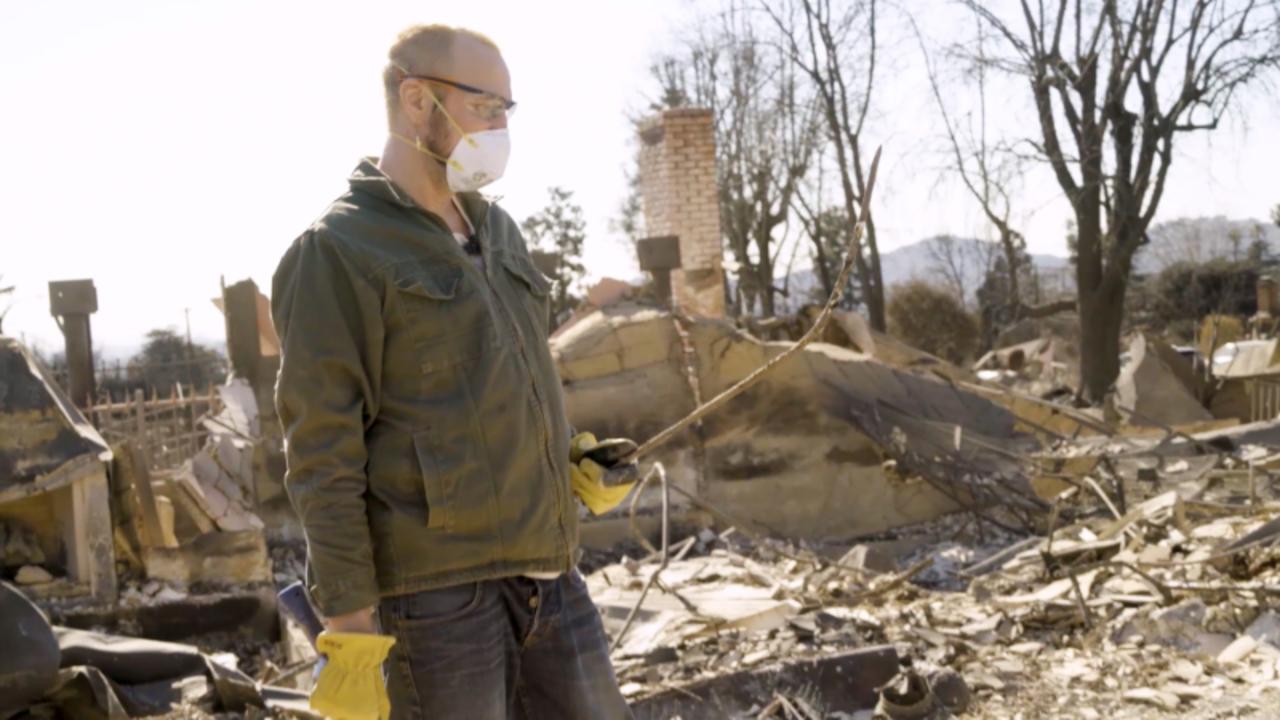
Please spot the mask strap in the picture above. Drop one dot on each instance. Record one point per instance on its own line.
(465, 135)
(421, 147)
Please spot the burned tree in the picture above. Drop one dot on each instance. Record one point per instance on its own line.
(1114, 83)
(987, 171)
(836, 48)
(954, 261)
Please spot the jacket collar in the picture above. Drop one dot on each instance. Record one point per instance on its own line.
(368, 179)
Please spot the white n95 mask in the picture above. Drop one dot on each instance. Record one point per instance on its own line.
(478, 159)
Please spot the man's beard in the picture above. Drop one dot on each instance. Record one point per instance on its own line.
(435, 138)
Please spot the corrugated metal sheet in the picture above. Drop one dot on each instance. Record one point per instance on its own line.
(39, 427)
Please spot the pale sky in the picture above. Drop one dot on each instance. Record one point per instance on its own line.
(158, 145)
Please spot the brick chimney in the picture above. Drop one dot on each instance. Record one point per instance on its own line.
(678, 187)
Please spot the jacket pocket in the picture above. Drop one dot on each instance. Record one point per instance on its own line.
(433, 482)
(444, 318)
(523, 269)
(530, 289)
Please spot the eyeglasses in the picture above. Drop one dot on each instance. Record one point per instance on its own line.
(485, 105)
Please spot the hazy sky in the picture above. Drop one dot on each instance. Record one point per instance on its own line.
(158, 146)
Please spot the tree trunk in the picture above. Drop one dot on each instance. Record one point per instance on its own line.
(766, 293)
(824, 270)
(764, 267)
(875, 298)
(1011, 263)
(1101, 316)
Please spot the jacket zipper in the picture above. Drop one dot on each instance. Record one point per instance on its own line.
(537, 397)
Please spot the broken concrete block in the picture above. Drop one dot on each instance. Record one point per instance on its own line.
(1180, 626)
(1239, 649)
(33, 575)
(217, 502)
(240, 409)
(190, 498)
(237, 520)
(876, 556)
(219, 557)
(228, 487)
(205, 468)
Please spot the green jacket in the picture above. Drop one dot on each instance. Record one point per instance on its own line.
(425, 430)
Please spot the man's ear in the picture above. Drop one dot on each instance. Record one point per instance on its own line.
(414, 101)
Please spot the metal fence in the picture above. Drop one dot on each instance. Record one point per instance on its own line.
(117, 380)
(168, 430)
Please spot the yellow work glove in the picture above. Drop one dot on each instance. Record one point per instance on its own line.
(350, 685)
(587, 477)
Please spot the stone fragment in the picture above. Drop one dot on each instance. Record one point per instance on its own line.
(33, 575)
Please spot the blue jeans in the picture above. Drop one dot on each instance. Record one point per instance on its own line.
(499, 649)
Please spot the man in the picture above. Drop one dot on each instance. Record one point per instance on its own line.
(427, 445)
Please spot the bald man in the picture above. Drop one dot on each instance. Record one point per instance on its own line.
(427, 444)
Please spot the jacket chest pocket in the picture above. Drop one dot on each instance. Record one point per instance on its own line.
(444, 317)
(530, 288)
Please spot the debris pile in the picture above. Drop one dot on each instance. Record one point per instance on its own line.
(196, 524)
(1155, 599)
(826, 446)
(64, 672)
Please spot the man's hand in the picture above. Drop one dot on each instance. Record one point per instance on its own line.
(360, 621)
(597, 474)
(349, 685)
(348, 680)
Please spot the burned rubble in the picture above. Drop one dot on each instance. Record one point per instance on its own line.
(868, 531)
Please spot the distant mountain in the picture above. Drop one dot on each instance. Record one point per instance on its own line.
(965, 261)
(921, 260)
(1203, 239)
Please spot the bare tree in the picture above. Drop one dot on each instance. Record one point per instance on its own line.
(827, 228)
(955, 261)
(835, 48)
(1114, 82)
(1180, 241)
(986, 170)
(766, 133)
